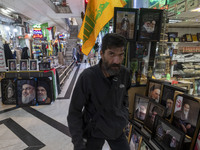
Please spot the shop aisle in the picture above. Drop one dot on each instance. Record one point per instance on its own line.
(42, 127)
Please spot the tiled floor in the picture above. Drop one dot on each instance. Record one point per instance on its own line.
(38, 127)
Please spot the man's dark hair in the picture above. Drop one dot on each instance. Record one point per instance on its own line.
(112, 40)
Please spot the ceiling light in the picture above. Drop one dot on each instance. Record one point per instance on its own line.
(195, 10)
(15, 30)
(174, 21)
(7, 28)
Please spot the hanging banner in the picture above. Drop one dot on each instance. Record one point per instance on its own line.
(73, 31)
(98, 13)
(191, 4)
(180, 7)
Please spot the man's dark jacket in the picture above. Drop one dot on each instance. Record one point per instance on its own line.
(99, 105)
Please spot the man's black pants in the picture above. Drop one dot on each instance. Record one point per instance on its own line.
(120, 143)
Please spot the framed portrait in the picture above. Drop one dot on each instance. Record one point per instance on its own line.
(44, 66)
(125, 22)
(8, 90)
(23, 65)
(140, 107)
(186, 114)
(172, 34)
(177, 39)
(197, 87)
(12, 66)
(154, 89)
(33, 64)
(26, 92)
(2, 75)
(185, 86)
(197, 142)
(198, 36)
(145, 145)
(166, 136)
(44, 91)
(188, 37)
(150, 23)
(171, 39)
(135, 138)
(168, 99)
(153, 110)
(194, 37)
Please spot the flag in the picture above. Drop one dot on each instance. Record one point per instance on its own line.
(98, 13)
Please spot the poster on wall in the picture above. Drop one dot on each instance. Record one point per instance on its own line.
(125, 22)
(2, 61)
(150, 24)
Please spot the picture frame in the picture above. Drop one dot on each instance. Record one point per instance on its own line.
(183, 86)
(166, 136)
(23, 65)
(196, 145)
(125, 22)
(26, 92)
(135, 138)
(172, 34)
(44, 66)
(186, 114)
(8, 90)
(150, 23)
(198, 36)
(194, 38)
(188, 38)
(171, 39)
(153, 110)
(145, 145)
(140, 108)
(44, 91)
(33, 64)
(168, 99)
(154, 89)
(12, 65)
(177, 39)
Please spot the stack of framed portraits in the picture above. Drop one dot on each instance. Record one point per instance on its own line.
(177, 112)
(186, 115)
(166, 136)
(168, 99)
(44, 66)
(24, 65)
(27, 92)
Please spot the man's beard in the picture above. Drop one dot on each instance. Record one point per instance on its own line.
(27, 99)
(42, 98)
(108, 68)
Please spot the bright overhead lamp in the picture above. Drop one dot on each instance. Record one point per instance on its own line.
(195, 10)
(7, 28)
(15, 30)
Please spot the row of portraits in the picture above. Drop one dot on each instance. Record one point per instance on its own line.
(174, 105)
(26, 92)
(24, 65)
(164, 136)
(150, 22)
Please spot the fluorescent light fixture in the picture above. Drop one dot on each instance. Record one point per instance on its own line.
(195, 10)
(174, 21)
(10, 9)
